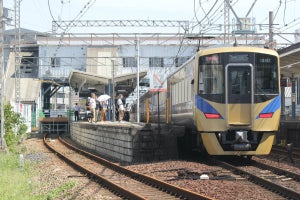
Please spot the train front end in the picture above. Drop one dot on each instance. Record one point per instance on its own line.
(237, 100)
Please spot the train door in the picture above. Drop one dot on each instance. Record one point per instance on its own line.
(239, 95)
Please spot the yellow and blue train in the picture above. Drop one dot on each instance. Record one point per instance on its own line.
(228, 97)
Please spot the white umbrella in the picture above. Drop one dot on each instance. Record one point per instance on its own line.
(103, 97)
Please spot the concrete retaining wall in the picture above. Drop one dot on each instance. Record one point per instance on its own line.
(126, 142)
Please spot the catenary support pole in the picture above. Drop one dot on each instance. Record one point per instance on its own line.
(138, 80)
(2, 80)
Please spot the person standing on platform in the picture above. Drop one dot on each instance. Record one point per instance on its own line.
(89, 114)
(121, 107)
(103, 111)
(76, 111)
(104, 105)
(97, 110)
(93, 106)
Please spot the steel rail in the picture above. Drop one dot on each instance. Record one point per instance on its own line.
(286, 192)
(114, 187)
(283, 150)
(163, 186)
(186, 194)
(276, 170)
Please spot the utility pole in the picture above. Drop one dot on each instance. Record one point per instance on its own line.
(17, 51)
(138, 80)
(2, 80)
(113, 91)
(226, 23)
(271, 30)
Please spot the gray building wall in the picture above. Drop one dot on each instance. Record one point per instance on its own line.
(157, 60)
(58, 61)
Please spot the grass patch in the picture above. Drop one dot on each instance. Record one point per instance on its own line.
(15, 183)
(61, 191)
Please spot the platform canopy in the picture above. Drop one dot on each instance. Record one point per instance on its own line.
(87, 82)
(290, 61)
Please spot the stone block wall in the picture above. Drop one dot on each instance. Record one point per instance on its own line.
(128, 142)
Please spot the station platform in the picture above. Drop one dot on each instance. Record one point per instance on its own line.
(128, 142)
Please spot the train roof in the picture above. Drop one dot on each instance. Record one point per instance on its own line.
(223, 49)
(220, 49)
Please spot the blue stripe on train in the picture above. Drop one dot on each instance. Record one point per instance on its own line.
(205, 107)
(272, 107)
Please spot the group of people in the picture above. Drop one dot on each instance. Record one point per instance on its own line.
(96, 108)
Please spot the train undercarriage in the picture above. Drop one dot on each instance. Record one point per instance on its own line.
(239, 140)
(234, 142)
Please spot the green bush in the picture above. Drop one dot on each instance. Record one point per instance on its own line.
(14, 127)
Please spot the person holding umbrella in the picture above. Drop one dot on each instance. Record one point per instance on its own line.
(103, 102)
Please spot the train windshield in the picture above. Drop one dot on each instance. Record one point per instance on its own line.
(211, 75)
(266, 74)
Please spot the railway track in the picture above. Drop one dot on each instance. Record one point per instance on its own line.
(283, 151)
(277, 180)
(123, 182)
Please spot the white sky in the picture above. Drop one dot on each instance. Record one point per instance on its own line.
(35, 14)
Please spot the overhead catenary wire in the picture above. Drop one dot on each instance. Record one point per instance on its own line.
(78, 16)
(284, 12)
(206, 16)
(211, 16)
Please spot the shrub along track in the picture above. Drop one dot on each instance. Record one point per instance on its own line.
(123, 182)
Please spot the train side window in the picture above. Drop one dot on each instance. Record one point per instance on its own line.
(186, 90)
(174, 94)
(174, 100)
(182, 89)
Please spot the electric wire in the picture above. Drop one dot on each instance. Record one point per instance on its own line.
(277, 10)
(205, 14)
(65, 30)
(206, 17)
(284, 12)
(211, 16)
